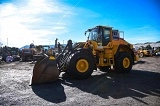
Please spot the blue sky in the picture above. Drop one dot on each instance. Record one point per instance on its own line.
(42, 21)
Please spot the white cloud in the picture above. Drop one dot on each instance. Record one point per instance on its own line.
(8, 10)
(23, 23)
(43, 21)
(61, 27)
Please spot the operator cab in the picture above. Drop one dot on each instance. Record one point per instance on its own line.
(103, 35)
(100, 34)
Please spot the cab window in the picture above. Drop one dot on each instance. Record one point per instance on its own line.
(115, 35)
(106, 33)
(106, 36)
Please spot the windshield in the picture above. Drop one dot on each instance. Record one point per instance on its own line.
(93, 35)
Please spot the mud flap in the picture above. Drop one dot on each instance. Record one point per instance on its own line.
(45, 70)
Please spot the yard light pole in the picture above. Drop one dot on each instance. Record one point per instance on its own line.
(7, 41)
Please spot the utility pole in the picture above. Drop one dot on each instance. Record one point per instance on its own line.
(7, 41)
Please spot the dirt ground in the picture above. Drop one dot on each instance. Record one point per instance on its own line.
(139, 87)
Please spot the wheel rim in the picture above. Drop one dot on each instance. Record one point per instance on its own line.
(141, 55)
(82, 65)
(126, 62)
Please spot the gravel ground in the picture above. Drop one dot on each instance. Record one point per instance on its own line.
(139, 87)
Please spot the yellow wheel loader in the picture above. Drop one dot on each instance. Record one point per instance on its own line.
(143, 51)
(103, 49)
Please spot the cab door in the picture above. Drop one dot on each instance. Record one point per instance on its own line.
(106, 36)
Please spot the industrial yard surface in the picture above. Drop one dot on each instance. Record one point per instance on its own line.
(139, 87)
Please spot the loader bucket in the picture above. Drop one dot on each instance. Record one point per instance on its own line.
(45, 70)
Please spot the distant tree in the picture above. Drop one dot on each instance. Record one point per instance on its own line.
(158, 42)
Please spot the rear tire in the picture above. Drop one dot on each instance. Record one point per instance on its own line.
(60, 63)
(81, 65)
(124, 62)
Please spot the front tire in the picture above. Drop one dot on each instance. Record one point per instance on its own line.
(81, 65)
(124, 62)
